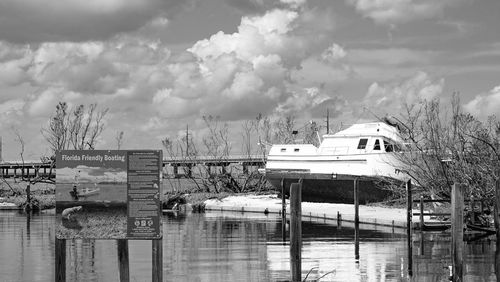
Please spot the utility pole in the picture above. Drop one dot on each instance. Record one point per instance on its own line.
(327, 121)
(187, 140)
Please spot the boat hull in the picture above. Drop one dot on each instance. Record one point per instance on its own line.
(322, 189)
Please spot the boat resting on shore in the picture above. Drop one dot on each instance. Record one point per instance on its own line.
(364, 151)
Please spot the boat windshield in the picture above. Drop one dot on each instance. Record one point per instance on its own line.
(391, 146)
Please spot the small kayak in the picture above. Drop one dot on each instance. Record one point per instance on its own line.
(86, 192)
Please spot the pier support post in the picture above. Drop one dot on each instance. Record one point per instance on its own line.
(296, 231)
(457, 238)
(157, 250)
(123, 261)
(497, 208)
(176, 171)
(421, 216)
(283, 211)
(60, 263)
(409, 215)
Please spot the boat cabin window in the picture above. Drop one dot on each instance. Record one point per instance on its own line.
(362, 143)
(390, 147)
(296, 149)
(377, 145)
(283, 149)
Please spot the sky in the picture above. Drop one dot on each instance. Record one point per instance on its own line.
(160, 65)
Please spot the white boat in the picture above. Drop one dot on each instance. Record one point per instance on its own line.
(84, 192)
(365, 151)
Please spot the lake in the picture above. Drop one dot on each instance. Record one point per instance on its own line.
(228, 246)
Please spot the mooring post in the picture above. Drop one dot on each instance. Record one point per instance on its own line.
(409, 215)
(123, 261)
(356, 219)
(283, 211)
(60, 263)
(296, 231)
(497, 259)
(457, 231)
(497, 207)
(421, 217)
(472, 210)
(157, 260)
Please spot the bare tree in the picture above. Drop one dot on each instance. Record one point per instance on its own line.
(284, 129)
(449, 147)
(119, 139)
(77, 129)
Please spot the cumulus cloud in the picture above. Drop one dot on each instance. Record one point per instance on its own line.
(390, 96)
(486, 104)
(399, 11)
(55, 20)
(260, 68)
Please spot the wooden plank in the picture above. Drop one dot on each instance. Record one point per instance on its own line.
(296, 231)
(433, 201)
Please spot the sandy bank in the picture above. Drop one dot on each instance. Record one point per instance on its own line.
(259, 203)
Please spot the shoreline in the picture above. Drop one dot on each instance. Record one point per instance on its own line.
(372, 215)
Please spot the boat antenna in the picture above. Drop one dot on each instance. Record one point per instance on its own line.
(377, 117)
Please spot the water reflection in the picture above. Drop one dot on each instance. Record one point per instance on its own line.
(238, 247)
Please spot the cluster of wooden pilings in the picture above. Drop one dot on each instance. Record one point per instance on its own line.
(296, 226)
(457, 228)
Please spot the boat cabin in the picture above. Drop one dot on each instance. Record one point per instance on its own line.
(366, 138)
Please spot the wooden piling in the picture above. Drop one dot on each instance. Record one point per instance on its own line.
(356, 219)
(409, 215)
(295, 231)
(457, 235)
(497, 208)
(283, 211)
(157, 260)
(60, 257)
(421, 216)
(123, 260)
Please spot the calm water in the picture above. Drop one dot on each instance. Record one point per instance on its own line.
(236, 247)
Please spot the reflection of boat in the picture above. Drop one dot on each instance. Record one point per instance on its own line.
(365, 151)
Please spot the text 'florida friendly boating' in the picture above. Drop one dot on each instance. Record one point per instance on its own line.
(365, 151)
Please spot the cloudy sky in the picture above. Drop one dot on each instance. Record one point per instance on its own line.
(159, 65)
